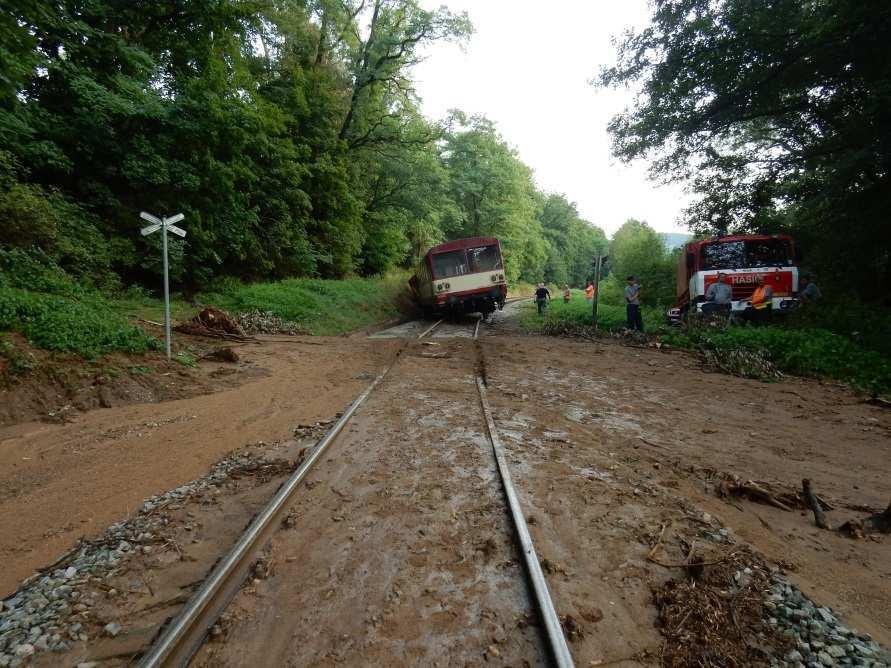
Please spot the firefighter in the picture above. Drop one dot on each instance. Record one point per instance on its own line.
(589, 292)
(762, 302)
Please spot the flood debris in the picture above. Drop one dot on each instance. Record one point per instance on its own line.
(744, 362)
(716, 618)
(267, 322)
(223, 355)
(214, 323)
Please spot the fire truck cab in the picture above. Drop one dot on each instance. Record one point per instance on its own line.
(742, 259)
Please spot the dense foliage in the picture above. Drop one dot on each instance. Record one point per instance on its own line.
(287, 131)
(41, 302)
(637, 250)
(779, 115)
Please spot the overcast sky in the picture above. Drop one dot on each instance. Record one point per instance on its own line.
(527, 67)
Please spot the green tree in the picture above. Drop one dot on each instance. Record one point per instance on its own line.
(493, 194)
(778, 113)
(636, 250)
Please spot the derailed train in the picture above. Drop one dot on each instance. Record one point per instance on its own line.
(461, 276)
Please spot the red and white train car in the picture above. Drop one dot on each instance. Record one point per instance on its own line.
(461, 276)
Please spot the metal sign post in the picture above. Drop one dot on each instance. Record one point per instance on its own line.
(596, 288)
(165, 225)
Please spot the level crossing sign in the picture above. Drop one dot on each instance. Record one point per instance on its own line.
(165, 225)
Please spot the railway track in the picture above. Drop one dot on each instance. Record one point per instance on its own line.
(185, 634)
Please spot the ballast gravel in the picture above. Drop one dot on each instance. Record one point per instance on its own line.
(54, 609)
(820, 638)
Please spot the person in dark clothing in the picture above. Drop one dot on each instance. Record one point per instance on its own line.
(632, 305)
(542, 297)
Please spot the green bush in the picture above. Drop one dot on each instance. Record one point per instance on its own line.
(805, 352)
(84, 325)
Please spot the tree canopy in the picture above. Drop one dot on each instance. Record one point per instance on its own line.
(777, 114)
(287, 131)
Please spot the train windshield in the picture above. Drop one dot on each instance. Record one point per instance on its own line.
(745, 254)
(448, 264)
(484, 258)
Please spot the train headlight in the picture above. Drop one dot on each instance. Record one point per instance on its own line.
(439, 287)
(448, 285)
(500, 277)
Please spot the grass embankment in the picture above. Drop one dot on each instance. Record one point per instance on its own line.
(803, 345)
(320, 307)
(54, 312)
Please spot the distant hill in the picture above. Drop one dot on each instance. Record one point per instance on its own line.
(673, 240)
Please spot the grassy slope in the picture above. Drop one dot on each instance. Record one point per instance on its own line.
(800, 349)
(321, 307)
(578, 311)
(54, 312)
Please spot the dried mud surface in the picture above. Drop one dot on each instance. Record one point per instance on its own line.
(62, 481)
(398, 549)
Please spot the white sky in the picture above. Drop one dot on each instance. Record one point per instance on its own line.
(527, 68)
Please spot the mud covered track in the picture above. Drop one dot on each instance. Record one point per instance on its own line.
(397, 550)
(184, 634)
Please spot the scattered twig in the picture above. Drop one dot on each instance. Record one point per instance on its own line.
(655, 445)
(658, 544)
(687, 564)
(810, 497)
(150, 322)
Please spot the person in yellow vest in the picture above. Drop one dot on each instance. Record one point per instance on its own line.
(762, 302)
(589, 292)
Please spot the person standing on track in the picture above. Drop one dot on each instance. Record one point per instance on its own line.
(632, 305)
(542, 297)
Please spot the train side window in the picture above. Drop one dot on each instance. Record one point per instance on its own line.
(449, 264)
(484, 258)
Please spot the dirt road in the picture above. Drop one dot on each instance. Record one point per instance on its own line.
(399, 551)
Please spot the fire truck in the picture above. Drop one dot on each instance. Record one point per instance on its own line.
(742, 259)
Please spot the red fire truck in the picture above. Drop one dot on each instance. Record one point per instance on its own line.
(742, 258)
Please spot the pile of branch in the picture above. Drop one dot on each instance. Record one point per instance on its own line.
(214, 323)
(732, 487)
(806, 499)
(714, 616)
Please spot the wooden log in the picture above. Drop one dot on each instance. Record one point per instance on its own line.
(811, 498)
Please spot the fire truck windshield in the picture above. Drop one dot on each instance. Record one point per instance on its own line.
(745, 254)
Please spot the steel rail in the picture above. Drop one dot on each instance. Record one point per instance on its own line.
(185, 634)
(476, 328)
(554, 630)
(429, 329)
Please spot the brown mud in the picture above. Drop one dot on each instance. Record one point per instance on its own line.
(398, 549)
